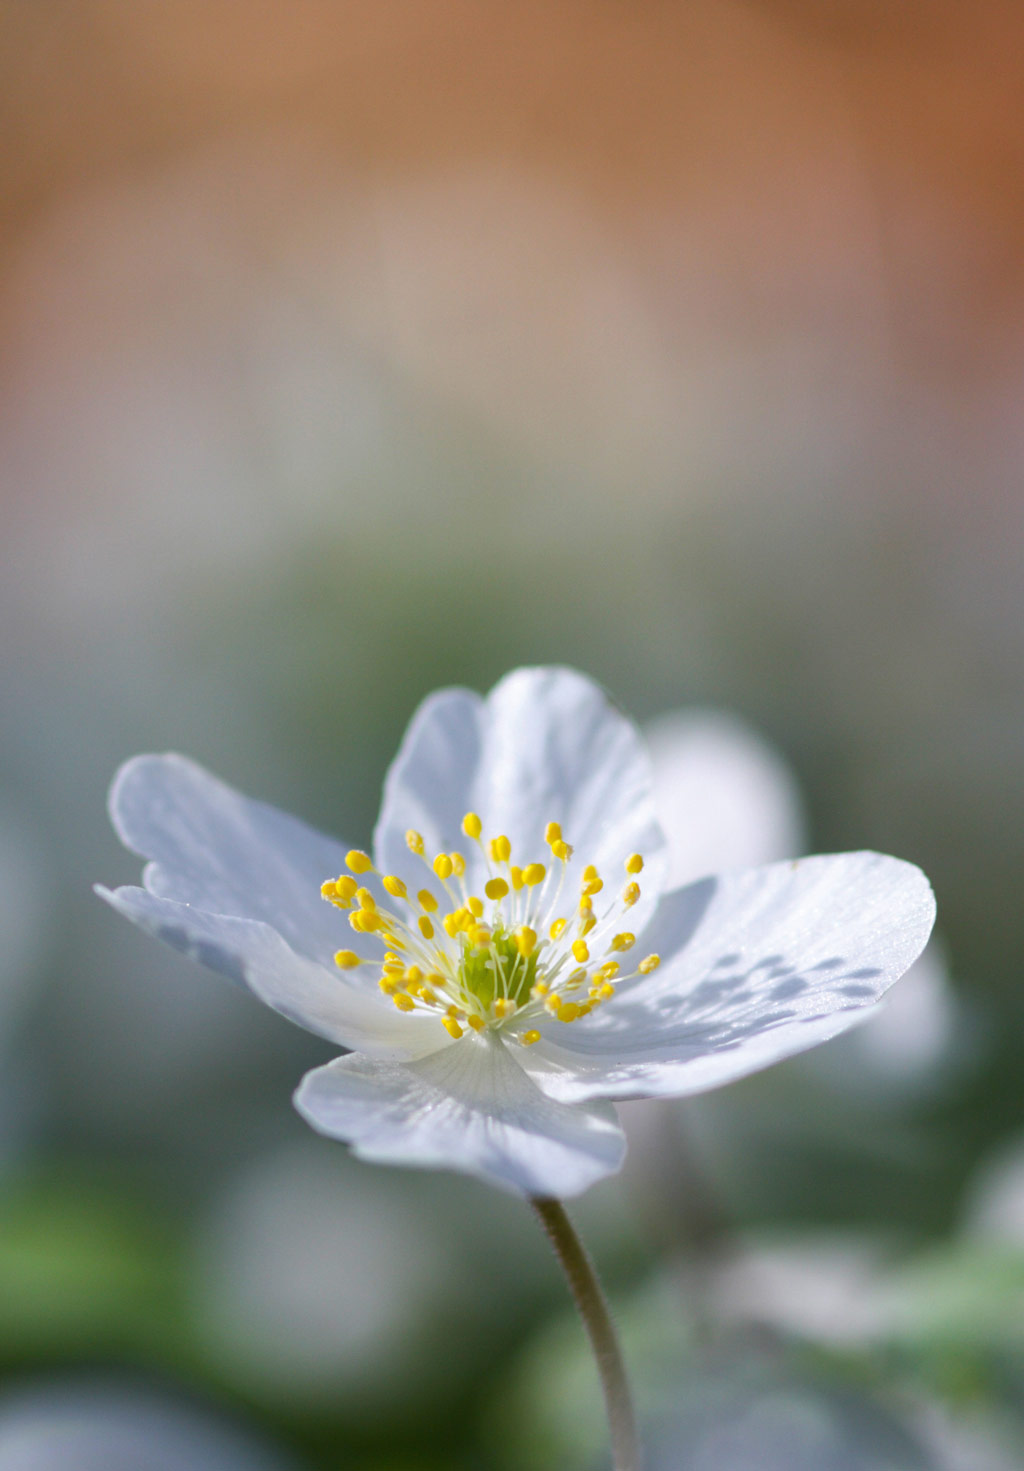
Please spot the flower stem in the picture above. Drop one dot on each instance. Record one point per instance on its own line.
(589, 1299)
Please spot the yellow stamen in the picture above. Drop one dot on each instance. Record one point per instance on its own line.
(476, 1022)
(414, 841)
(500, 849)
(557, 929)
(443, 866)
(561, 850)
(358, 861)
(528, 1038)
(580, 951)
(634, 863)
(345, 886)
(452, 1027)
(526, 940)
(328, 889)
(569, 1012)
(533, 874)
(458, 864)
(366, 899)
(539, 989)
(403, 1002)
(553, 833)
(427, 900)
(630, 894)
(347, 959)
(625, 941)
(394, 886)
(472, 826)
(606, 971)
(388, 984)
(425, 927)
(516, 875)
(475, 906)
(495, 888)
(651, 963)
(503, 1007)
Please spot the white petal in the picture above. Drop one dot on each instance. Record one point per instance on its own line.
(320, 998)
(725, 799)
(469, 1108)
(215, 848)
(756, 966)
(545, 745)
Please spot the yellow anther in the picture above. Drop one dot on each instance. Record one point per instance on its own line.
(425, 927)
(358, 861)
(414, 841)
(606, 992)
(504, 1006)
(557, 929)
(346, 959)
(475, 906)
(516, 875)
(455, 1012)
(452, 1027)
(553, 1003)
(625, 941)
(427, 900)
(553, 833)
(590, 873)
(345, 886)
(471, 825)
(500, 849)
(561, 850)
(630, 894)
(606, 971)
(495, 888)
(528, 1038)
(413, 976)
(476, 1022)
(427, 995)
(403, 1002)
(366, 899)
(576, 980)
(458, 864)
(586, 904)
(526, 940)
(394, 886)
(586, 1007)
(594, 887)
(651, 963)
(443, 866)
(634, 863)
(539, 989)
(533, 874)
(580, 951)
(587, 923)
(328, 889)
(569, 1012)
(451, 924)
(365, 921)
(388, 984)
(479, 935)
(394, 967)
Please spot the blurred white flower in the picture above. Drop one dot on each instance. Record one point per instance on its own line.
(310, 1282)
(727, 799)
(104, 1427)
(492, 1035)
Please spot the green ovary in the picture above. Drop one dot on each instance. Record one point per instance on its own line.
(515, 973)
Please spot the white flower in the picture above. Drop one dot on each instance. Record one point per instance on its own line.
(490, 996)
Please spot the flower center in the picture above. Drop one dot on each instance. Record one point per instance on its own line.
(525, 952)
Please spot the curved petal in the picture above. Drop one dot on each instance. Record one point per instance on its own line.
(756, 966)
(255, 956)
(470, 1108)
(545, 745)
(213, 847)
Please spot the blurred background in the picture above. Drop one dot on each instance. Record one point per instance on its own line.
(349, 350)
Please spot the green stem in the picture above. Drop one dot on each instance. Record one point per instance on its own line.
(589, 1299)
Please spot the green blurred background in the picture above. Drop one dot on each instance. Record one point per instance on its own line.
(348, 351)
